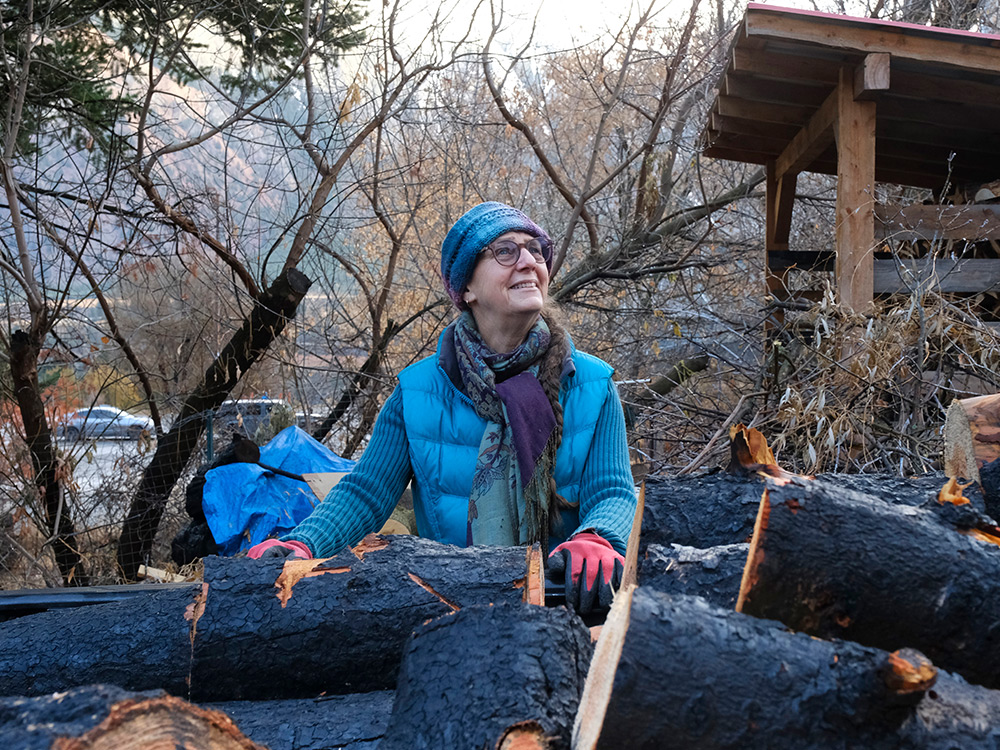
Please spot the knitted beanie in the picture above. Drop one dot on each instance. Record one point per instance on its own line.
(476, 229)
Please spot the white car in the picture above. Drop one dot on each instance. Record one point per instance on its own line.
(104, 422)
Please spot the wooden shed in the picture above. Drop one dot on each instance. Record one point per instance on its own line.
(869, 101)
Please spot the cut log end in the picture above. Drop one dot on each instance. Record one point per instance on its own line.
(534, 584)
(756, 553)
(909, 672)
(525, 735)
(600, 678)
(160, 723)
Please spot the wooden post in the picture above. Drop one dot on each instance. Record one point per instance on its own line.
(780, 195)
(855, 218)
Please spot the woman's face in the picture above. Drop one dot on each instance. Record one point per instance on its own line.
(496, 291)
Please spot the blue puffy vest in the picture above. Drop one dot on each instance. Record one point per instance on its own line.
(444, 433)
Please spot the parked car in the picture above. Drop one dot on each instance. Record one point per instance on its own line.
(104, 422)
(246, 415)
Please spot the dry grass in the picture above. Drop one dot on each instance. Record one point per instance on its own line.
(834, 390)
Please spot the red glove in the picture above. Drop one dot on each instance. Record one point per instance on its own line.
(274, 548)
(591, 558)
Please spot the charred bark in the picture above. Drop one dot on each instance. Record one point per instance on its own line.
(701, 511)
(265, 323)
(692, 675)
(470, 679)
(104, 716)
(345, 722)
(709, 510)
(24, 353)
(713, 573)
(838, 563)
(260, 629)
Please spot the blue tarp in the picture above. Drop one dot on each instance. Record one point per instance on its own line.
(245, 504)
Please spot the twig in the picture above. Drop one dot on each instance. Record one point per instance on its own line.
(736, 413)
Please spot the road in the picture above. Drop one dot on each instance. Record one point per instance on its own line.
(105, 474)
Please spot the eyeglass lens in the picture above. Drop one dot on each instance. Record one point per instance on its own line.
(507, 252)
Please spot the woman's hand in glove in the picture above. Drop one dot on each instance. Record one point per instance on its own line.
(592, 568)
(273, 548)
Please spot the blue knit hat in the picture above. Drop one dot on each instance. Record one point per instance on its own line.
(476, 229)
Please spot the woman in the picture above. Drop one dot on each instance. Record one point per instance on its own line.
(510, 435)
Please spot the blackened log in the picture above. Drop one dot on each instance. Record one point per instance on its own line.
(264, 324)
(708, 510)
(261, 629)
(469, 678)
(842, 564)
(677, 672)
(704, 510)
(104, 716)
(141, 643)
(22, 602)
(712, 573)
(345, 722)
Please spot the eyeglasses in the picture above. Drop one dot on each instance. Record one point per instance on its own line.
(508, 252)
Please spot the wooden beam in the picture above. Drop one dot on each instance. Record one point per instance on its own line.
(769, 64)
(977, 52)
(945, 275)
(917, 84)
(811, 141)
(780, 196)
(871, 77)
(973, 222)
(855, 217)
(754, 128)
(785, 114)
(755, 89)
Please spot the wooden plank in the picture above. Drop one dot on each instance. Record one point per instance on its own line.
(785, 114)
(917, 84)
(770, 64)
(748, 87)
(871, 77)
(752, 128)
(977, 52)
(855, 217)
(973, 222)
(811, 141)
(964, 276)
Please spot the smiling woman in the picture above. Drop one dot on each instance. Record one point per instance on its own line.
(509, 434)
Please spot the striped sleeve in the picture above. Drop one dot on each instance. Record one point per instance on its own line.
(363, 500)
(607, 491)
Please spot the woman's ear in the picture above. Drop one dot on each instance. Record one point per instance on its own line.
(469, 297)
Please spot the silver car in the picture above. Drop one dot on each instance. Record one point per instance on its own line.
(104, 422)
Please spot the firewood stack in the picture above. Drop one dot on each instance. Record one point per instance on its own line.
(772, 610)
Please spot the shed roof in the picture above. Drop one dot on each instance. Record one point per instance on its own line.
(940, 106)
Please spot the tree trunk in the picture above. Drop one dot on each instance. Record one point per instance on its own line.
(841, 564)
(262, 327)
(712, 573)
(104, 717)
(676, 672)
(263, 629)
(345, 722)
(24, 353)
(472, 679)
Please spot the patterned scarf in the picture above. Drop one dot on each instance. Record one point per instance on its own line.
(509, 503)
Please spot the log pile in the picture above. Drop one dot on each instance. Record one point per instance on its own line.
(771, 611)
